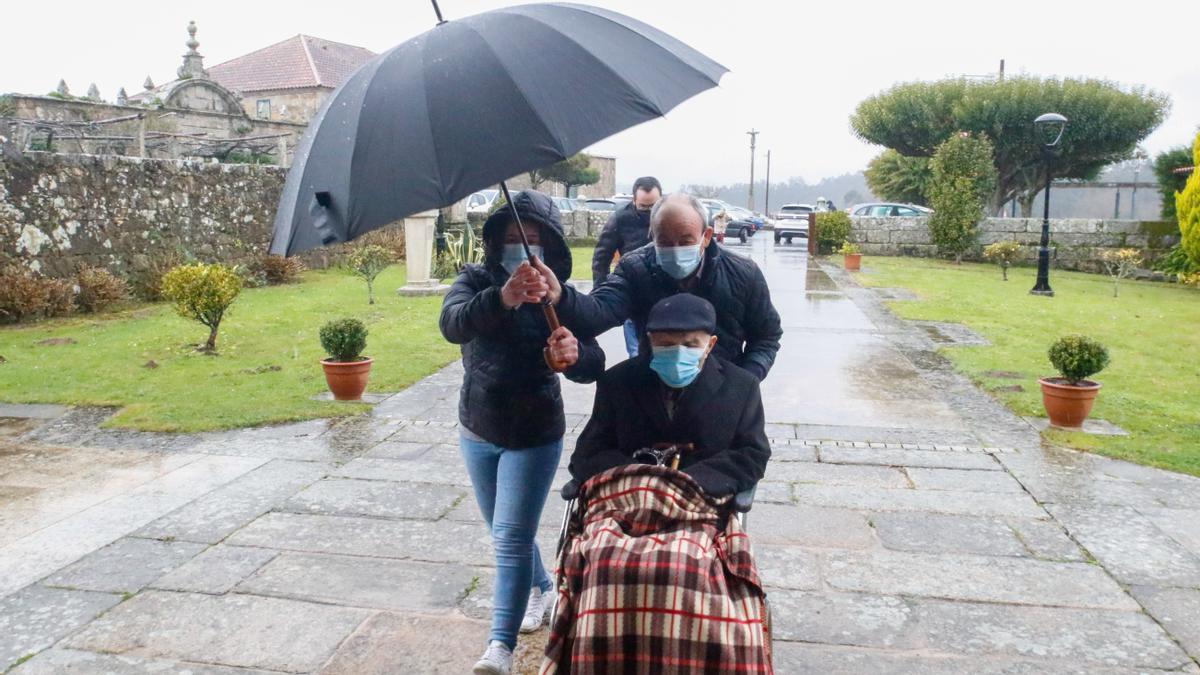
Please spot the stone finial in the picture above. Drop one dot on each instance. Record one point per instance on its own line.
(62, 88)
(93, 92)
(122, 97)
(148, 84)
(193, 62)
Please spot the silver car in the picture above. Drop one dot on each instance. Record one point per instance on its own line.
(792, 221)
(888, 210)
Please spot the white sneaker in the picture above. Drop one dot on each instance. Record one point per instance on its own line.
(497, 660)
(535, 611)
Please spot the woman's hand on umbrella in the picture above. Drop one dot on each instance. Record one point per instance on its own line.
(564, 347)
(525, 285)
(554, 291)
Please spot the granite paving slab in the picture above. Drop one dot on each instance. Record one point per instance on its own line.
(125, 566)
(934, 501)
(836, 474)
(809, 526)
(438, 541)
(1182, 525)
(963, 480)
(768, 492)
(377, 498)
(787, 567)
(390, 643)
(75, 662)
(416, 471)
(941, 533)
(36, 617)
(914, 458)
(1129, 545)
(376, 583)
(212, 517)
(230, 630)
(1089, 636)
(398, 450)
(882, 621)
(976, 578)
(791, 453)
(216, 570)
(1046, 539)
(1177, 610)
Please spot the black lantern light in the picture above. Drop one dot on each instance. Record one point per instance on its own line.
(1050, 128)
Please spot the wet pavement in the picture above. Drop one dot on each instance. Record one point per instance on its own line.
(908, 523)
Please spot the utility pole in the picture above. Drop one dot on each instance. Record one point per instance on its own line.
(753, 134)
(767, 202)
(1001, 70)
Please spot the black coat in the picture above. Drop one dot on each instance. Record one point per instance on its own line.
(509, 396)
(731, 451)
(627, 230)
(748, 327)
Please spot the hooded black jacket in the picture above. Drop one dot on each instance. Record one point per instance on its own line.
(509, 396)
(748, 327)
(626, 230)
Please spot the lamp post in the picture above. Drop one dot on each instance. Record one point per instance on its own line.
(1050, 129)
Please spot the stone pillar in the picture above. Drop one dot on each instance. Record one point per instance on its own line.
(419, 232)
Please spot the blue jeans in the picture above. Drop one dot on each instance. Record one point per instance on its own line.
(631, 338)
(511, 486)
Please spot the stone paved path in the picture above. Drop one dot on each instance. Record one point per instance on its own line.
(907, 524)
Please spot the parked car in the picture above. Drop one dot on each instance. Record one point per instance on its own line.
(482, 201)
(600, 205)
(744, 223)
(888, 209)
(718, 217)
(565, 204)
(792, 221)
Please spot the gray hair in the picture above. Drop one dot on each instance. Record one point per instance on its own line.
(673, 198)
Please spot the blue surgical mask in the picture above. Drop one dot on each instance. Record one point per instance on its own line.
(677, 366)
(678, 261)
(514, 255)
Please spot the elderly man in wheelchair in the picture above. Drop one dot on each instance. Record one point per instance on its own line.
(655, 572)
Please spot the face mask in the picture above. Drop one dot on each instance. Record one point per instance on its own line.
(677, 366)
(678, 261)
(514, 255)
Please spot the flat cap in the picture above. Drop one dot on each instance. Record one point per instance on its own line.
(682, 312)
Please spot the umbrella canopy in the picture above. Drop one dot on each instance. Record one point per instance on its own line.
(473, 102)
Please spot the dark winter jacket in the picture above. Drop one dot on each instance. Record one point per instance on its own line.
(748, 327)
(628, 229)
(730, 449)
(509, 396)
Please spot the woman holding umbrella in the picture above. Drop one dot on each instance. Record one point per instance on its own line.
(510, 406)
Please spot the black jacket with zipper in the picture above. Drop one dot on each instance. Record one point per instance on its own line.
(509, 396)
(627, 230)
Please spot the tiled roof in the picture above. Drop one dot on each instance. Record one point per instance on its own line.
(299, 62)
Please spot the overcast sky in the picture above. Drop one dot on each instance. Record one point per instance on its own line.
(797, 69)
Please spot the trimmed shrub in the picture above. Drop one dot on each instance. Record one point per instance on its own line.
(99, 289)
(1004, 254)
(203, 293)
(849, 248)
(146, 280)
(1120, 264)
(277, 269)
(833, 228)
(1177, 262)
(368, 262)
(1078, 357)
(964, 178)
(26, 295)
(344, 340)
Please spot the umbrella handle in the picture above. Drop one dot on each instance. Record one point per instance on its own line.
(552, 319)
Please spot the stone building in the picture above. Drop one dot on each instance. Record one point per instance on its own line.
(289, 81)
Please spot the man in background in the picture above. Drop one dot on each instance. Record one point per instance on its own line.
(627, 230)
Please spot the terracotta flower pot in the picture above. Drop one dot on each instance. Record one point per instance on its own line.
(347, 380)
(1068, 405)
(852, 261)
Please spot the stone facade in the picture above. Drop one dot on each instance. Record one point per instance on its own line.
(1077, 242)
(297, 106)
(61, 211)
(604, 188)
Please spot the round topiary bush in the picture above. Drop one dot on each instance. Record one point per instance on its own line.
(833, 228)
(1078, 357)
(203, 293)
(99, 289)
(344, 340)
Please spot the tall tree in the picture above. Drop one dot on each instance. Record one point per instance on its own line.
(571, 172)
(1187, 209)
(1169, 181)
(1106, 124)
(896, 178)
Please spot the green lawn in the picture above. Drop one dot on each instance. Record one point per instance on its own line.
(266, 370)
(581, 262)
(1152, 386)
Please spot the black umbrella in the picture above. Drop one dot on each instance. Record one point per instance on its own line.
(471, 103)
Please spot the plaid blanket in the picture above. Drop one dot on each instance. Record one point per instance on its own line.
(655, 578)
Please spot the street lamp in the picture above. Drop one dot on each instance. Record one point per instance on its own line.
(1050, 128)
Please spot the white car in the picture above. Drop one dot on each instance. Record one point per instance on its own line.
(482, 201)
(792, 221)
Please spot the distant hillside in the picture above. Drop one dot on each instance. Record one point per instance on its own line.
(844, 190)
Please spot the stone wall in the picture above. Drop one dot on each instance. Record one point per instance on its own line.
(60, 211)
(1077, 242)
(287, 105)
